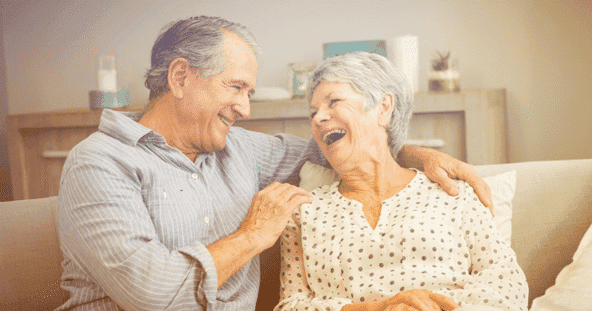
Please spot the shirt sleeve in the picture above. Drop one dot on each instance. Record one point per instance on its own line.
(496, 279)
(295, 293)
(106, 229)
(280, 157)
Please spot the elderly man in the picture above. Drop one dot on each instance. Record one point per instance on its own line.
(170, 209)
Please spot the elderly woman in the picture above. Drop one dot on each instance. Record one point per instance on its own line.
(386, 237)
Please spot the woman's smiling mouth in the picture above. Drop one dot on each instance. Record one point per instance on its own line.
(333, 136)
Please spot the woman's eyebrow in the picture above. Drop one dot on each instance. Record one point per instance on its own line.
(326, 98)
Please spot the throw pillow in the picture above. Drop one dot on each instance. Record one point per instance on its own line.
(572, 289)
(584, 244)
(502, 187)
(314, 175)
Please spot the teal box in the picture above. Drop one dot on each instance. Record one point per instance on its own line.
(340, 48)
(100, 100)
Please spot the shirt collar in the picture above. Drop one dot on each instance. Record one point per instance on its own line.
(124, 126)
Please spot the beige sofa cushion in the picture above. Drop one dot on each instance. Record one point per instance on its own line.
(552, 209)
(30, 255)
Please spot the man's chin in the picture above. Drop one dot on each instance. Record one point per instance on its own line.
(219, 145)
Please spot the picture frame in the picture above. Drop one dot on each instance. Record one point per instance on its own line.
(298, 77)
(340, 48)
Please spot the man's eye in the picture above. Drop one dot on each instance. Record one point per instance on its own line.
(312, 115)
(237, 87)
(333, 101)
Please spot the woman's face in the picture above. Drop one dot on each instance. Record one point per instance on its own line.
(340, 126)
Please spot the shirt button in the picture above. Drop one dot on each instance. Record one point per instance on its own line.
(207, 220)
(194, 176)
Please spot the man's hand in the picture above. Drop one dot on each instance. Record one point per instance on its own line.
(265, 221)
(270, 210)
(420, 300)
(442, 168)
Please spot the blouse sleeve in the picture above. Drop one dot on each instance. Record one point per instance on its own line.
(295, 293)
(496, 279)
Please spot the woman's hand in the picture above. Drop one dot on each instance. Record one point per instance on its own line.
(420, 300)
(442, 168)
(400, 307)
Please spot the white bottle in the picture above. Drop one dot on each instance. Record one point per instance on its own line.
(107, 74)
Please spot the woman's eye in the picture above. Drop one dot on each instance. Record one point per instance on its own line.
(333, 101)
(312, 115)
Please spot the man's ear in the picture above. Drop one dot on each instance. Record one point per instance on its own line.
(177, 77)
(385, 109)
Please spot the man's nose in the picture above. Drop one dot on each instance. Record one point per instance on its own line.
(243, 107)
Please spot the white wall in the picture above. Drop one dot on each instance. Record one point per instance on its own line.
(539, 50)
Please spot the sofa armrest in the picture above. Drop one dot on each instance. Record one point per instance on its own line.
(30, 256)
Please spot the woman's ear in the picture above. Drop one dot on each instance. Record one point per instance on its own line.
(177, 76)
(385, 110)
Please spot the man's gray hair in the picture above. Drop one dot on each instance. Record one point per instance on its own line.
(372, 76)
(199, 41)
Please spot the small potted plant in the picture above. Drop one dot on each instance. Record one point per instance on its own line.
(443, 75)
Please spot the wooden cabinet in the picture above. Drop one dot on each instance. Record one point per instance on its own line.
(469, 126)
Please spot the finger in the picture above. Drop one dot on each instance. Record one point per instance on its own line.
(483, 192)
(424, 304)
(270, 201)
(417, 298)
(440, 169)
(295, 196)
(280, 193)
(400, 307)
(468, 173)
(444, 302)
(299, 199)
(442, 178)
(424, 294)
(284, 203)
(287, 190)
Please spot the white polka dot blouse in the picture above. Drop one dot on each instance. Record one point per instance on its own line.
(424, 239)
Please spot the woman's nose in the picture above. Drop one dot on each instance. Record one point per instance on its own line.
(320, 116)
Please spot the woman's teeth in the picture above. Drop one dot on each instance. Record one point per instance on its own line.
(333, 136)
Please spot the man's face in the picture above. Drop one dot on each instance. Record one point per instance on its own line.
(212, 104)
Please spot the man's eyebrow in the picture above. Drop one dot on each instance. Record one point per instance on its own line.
(243, 84)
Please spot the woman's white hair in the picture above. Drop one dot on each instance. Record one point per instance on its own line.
(373, 76)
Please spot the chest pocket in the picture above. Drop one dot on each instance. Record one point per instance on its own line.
(176, 215)
(428, 243)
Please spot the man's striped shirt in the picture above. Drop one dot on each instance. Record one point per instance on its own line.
(136, 215)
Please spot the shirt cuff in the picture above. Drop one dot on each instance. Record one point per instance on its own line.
(209, 281)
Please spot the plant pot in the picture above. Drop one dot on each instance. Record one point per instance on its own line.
(444, 81)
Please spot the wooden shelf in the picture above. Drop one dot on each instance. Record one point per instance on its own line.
(469, 125)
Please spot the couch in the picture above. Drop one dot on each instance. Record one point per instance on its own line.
(552, 210)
